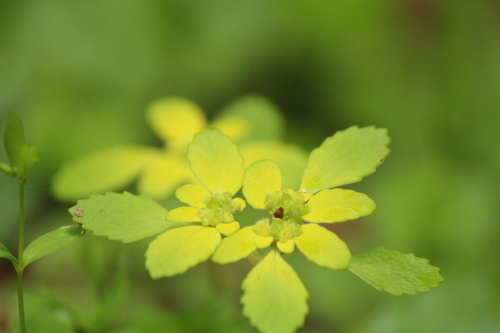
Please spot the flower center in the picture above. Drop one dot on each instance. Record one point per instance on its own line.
(220, 208)
(287, 205)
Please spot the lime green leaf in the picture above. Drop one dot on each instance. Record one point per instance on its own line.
(265, 121)
(394, 272)
(216, 161)
(176, 120)
(192, 195)
(261, 178)
(14, 139)
(345, 158)
(338, 205)
(7, 169)
(106, 170)
(275, 298)
(51, 242)
(28, 157)
(160, 178)
(323, 247)
(176, 250)
(238, 246)
(5, 253)
(124, 217)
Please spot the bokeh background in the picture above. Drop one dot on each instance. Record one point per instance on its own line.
(81, 75)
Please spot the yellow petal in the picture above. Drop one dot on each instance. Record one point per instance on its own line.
(227, 229)
(183, 214)
(161, 177)
(176, 120)
(261, 178)
(192, 195)
(235, 127)
(263, 241)
(240, 245)
(338, 205)
(286, 246)
(323, 247)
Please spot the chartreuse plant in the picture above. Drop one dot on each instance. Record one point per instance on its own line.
(22, 157)
(275, 299)
(252, 122)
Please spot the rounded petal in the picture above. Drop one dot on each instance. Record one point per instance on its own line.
(183, 214)
(235, 127)
(338, 205)
(176, 250)
(216, 161)
(160, 178)
(192, 195)
(323, 247)
(227, 229)
(263, 241)
(286, 246)
(238, 246)
(261, 178)
(176, 120)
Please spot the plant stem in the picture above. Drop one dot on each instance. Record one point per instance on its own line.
(20, 259)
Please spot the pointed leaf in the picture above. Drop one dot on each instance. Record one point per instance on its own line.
(176, 120)
(124, 217)
(394, 272)
(216, 161)
(345, 158)
(338, 205)
(14, 138)
(238, 246)
(261, 178)
(176, 250)
(5, 253)
(275, 298)
(323, 247)
(50, 242)
(106, 170)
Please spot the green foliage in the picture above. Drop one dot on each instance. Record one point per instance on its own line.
(124, 217)
(50, 242)
(394, 272)
(5, 253)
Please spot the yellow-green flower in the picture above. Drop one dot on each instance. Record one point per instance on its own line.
(218, 166)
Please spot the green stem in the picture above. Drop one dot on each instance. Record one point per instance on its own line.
(20, 268)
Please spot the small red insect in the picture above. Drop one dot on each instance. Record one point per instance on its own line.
(279, 213)
(79, 211)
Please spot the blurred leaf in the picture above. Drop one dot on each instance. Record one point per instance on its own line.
(275, 299)
(394, 272)
(175, 251)
(216, 161)
(14, 139)
(345, 158)
(50, 242)
(264, 120)
(7, 169)
(102, 171)
(124, 217)
(5, 253)
(28, 157)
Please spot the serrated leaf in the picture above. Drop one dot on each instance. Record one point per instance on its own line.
(124, 217)
(175, 251)
(394, 272)
(5, 253)
(50, 242)
(275, 299)
(14, 138)
(106, 170)
(238, 246)
(345, 158)
(216, 161)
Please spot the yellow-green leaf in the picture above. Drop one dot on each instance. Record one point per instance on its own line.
(106, 170)
(216, 161)
(323, 247)
(394, 272)
(238, 246)
(338, 205)
(261, 178)
(50, 242)
(14, 138)
(176, 250)
(124, 217)
(192, 195)
(275, 299)
(345, 158)
(176, 120)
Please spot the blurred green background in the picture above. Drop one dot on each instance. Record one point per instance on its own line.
(81, 75)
